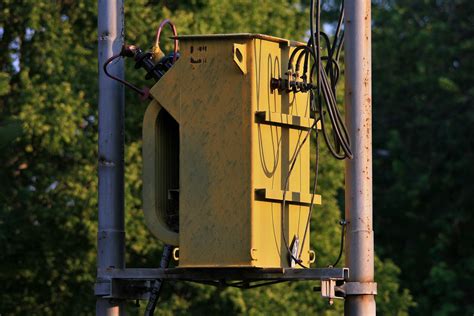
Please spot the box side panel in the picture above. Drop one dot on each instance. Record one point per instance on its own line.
(215, 197)
(273, 148)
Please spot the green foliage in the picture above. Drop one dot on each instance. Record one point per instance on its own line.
(423, 98)
(391, 299)
(48, 197)
(4, 83)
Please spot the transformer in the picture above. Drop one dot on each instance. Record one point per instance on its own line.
(218, 142)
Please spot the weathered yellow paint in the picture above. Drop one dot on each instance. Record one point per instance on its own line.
(236, 141)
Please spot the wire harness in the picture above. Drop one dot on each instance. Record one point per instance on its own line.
(155, 62)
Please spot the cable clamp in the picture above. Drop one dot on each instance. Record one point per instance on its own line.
(332, 289)
(358, 288)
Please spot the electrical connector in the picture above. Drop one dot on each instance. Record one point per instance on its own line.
(156, 53)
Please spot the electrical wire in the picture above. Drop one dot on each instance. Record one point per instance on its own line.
(326, 79)
(175, 36)
(339, 128)
(156, 289)
(128, 84)
(315, 46)
(343, 230)
(338, 43)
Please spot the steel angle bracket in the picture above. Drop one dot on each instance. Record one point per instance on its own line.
(123, 289)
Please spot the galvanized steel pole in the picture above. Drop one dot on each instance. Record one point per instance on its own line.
(111, 234)
(361, 288)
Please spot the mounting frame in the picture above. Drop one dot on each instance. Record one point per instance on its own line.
(135, 283)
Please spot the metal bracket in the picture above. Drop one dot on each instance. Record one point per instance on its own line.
(136, 283)
(291, 197)
(285, 120)
(123, 289)
(332, 289)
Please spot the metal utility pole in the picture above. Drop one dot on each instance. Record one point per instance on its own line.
(111, 234)
(360, 289)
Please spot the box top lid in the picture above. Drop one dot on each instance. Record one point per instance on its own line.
(241, 36)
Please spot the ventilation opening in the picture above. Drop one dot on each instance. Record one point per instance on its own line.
(167, 169)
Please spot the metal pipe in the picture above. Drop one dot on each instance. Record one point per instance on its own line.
(358, 196)
(111, 233)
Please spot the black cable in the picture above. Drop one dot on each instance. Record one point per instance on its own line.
(339, 47)
(337, 43)
(337, 123)
(305, 54)
(155, 291)
(341, 249)
(293, 54)
(326, 79)
(330, 65)
(128, 84)
(315, 45)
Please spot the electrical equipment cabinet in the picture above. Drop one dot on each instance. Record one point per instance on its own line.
(218, 145)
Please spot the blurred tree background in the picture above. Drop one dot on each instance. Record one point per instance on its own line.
(423, 91)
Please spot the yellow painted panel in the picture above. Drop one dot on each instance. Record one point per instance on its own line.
(227, 157)
(273, 149)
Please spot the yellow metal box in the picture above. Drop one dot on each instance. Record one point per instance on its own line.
(217, 126)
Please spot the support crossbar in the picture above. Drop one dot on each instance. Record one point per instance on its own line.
(229, 274)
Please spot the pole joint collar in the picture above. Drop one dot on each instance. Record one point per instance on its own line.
(359, 288)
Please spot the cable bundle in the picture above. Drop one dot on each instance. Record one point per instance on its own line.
(323, 97)
(155, 62)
